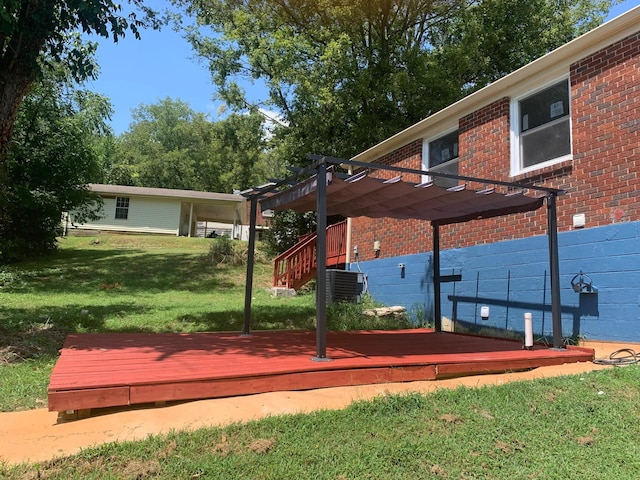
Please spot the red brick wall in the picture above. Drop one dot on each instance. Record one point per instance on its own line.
(606, 133)
(601, 180)
(397, 237)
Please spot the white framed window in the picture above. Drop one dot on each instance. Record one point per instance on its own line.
(541, 128)
(440, 154)
(122, 208)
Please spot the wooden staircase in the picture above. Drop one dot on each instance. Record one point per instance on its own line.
(295, 267)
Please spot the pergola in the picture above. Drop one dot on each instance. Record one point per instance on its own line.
(330, 193)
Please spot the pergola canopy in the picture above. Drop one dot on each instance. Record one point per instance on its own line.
(362, 195)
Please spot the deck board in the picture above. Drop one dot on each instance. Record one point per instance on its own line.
(99, 370)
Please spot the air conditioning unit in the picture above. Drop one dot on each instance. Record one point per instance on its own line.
(344, 286)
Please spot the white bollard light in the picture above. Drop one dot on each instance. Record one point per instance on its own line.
(528, 331)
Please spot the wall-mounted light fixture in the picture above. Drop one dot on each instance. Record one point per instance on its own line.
(376, 248)
(582, 283)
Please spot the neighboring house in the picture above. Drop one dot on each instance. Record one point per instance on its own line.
(569, 120)
(163, 211)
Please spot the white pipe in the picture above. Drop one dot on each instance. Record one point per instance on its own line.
(528, 331)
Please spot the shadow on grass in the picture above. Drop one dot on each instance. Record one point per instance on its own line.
(263, 317)
(130, 270)
(25, 336)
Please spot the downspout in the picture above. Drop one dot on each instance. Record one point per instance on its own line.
(348, 258)
(190, 220)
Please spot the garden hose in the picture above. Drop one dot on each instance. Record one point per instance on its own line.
(624, 356)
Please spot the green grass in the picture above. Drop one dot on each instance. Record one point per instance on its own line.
(134, 284)
(577, 427)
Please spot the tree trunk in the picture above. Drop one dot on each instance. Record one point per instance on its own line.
(13, 89)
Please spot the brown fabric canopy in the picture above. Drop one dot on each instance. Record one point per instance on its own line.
(362, 195)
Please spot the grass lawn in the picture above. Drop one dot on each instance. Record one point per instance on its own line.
(132, 284)
(578, 427)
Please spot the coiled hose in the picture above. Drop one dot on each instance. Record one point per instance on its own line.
(624, 356)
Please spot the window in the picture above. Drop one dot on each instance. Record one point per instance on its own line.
(122, 208)
(441, 155)
(543, 129)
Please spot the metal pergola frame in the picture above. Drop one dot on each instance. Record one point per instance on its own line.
(319, 166)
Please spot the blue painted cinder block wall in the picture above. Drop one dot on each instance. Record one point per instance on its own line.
(512, 278)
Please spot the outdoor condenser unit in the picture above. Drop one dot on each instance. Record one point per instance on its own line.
(344, 286)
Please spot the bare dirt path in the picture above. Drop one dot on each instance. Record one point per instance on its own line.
(35, 435)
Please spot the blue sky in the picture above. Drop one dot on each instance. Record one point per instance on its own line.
(162, 64)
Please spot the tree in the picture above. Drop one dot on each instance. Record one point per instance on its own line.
(238, 148)
(35, 30)
(51, 159)
(38, 34)
(346, 75)
(163, 145)
(171, 146)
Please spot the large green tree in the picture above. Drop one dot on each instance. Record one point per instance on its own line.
(345, 75)
(35, 32)
(171, 146)
(37, 35)
(51, 159)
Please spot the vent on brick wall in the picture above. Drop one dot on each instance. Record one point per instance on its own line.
(344, 286)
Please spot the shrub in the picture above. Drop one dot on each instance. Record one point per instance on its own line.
(224, 251)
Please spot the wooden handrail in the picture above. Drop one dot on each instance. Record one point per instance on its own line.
(296, 266)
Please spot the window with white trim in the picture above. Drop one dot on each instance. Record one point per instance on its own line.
(122, 208)
(440, 154)
(541, 128)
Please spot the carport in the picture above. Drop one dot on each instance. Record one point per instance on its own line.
(321, 188)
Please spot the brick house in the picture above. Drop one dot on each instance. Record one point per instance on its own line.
(569, 120)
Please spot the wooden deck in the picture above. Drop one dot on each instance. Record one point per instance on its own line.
(106, 370)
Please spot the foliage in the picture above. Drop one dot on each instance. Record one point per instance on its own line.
(574, 427)
(35, 37)
(346, 75)
(286, 228)
(171, 146)
(221, 251)
(51, 160)
(495, 37)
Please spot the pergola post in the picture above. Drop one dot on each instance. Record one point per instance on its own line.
(554, 269)
(437, 306)
(321, 263)
(246, 329)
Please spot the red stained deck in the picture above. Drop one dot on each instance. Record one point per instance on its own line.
(105, 370)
